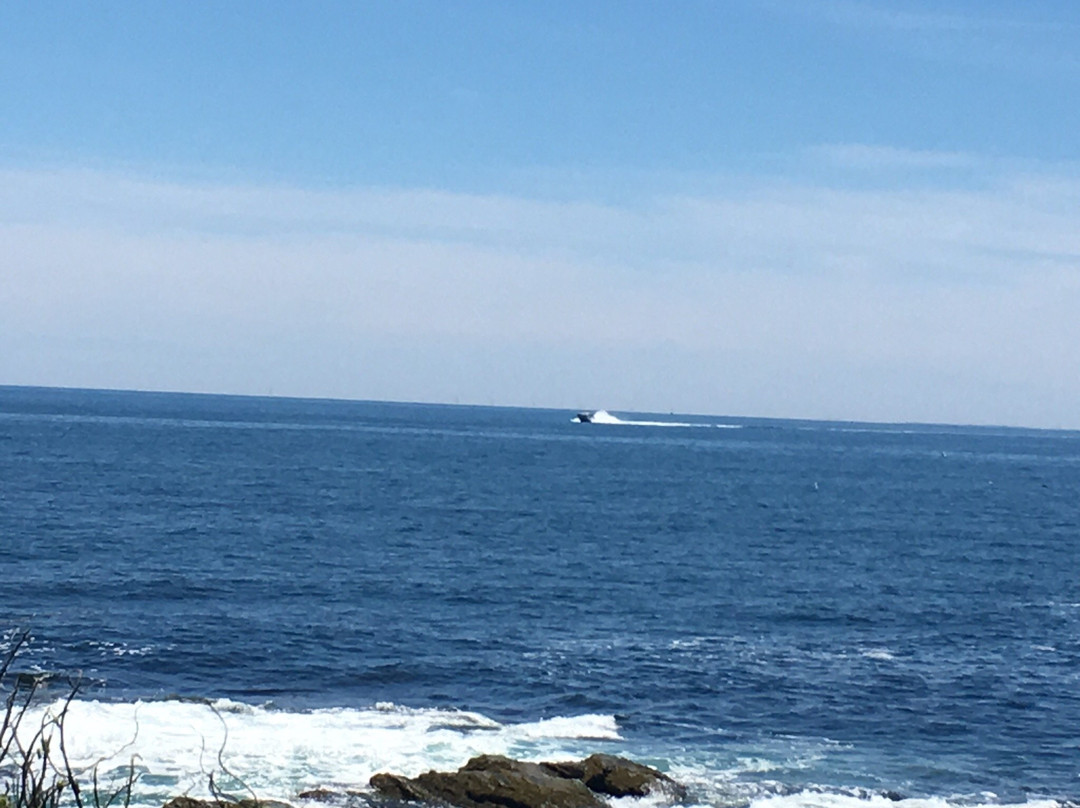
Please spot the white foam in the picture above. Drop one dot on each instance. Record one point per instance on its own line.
(882, 654)
(758, 764)
(655, 800)
(278, 753)
(585, 727)
(832, 799)
(717, 783)
(121, 649)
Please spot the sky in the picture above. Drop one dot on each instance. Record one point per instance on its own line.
(831, 209)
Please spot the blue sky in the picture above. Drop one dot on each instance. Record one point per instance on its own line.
(825, 208)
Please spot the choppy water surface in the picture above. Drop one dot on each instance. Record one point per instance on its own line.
(778, 613)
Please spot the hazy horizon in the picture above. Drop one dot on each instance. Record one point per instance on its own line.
(569, 410)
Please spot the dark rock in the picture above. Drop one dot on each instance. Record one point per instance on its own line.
(618, 776)
(319, 795)
(895, 796)
(192, 802)
(569, 769)
(401, 788)
(252, 803)
(490, 781)
(494, 781)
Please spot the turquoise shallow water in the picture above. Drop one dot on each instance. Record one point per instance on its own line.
(779, 608)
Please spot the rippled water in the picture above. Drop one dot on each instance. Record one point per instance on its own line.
(782, 611)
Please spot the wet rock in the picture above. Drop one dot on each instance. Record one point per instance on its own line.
(320, 795)
(617, 776)
(189, 802)
(494, 781)
(397, 787)
(567, 769)
(490, 781)
(192, 802)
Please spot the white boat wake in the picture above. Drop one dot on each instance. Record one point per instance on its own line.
(605, 417)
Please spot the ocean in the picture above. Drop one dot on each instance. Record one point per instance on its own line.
(780, 614)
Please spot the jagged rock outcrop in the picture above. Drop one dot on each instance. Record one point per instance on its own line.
(488, 781)
(617, 776)
(494, 781)
(192, 802)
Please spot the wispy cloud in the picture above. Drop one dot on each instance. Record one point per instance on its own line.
(863, 156)
(781, 298)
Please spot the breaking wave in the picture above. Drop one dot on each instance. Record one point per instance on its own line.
(175, 744)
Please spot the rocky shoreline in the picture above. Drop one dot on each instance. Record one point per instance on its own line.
(495, 781)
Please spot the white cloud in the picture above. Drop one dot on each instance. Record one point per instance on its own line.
(934, 304)
(866, 157)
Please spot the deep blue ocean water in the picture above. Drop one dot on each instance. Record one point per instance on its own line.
(782, 608)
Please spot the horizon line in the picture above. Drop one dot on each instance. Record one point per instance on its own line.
(270, 396)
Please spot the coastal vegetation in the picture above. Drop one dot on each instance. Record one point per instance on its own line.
(35, 768)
